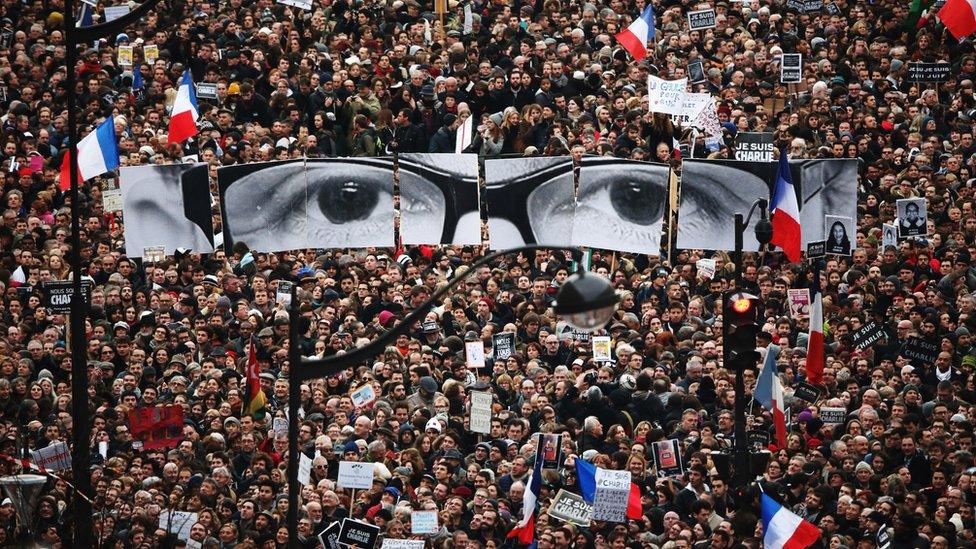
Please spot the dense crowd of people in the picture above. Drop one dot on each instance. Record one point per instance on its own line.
(540, 78)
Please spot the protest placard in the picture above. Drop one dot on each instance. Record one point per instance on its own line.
(178, 522)
(363, 396)
(833, 416)
(158, 426)
(706, 268)
(480, 412)
(330, 536)
(918, 349)
(601, 349)
(403, 544)
(58, 294)
(571, 508)
(151, 53)
(929, 72)
(114, 12)
(799, 302)
(866, 335)
(503, 345)
(423, 522)
(112, 200)
(304, 469)
(667, 458)
(360, 534)
(54, 457)
(474, 354)
(889, 235)
(665, 95)
(791, 68)
(807, 392)
(549, 449)
(817, 248)
(754, 146)
(701, 19)
(355, 474)
(611, 496)
(283, 292)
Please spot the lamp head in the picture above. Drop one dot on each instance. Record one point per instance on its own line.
(586, 301)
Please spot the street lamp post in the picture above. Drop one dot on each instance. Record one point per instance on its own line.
(586, 300)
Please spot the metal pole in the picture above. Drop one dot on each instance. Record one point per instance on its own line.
(81, 444)
(741, 449)
(294, 402)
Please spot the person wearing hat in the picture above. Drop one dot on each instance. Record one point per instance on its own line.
(443, 141)
(426, 393)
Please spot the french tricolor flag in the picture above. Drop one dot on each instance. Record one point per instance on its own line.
(769, 393)
(98, 153)
(634, 38)
(815, 340)
(183, 120)
(524, 532)
(959, 16)
(783, 529)
(785, 211)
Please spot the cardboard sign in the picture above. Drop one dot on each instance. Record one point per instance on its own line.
(833, 416)
(867, 334)
(330, 536)
(791, 68)
(808, 392)
(58, 294)
(799, 302)
(206, 90)
(112, 200)
(816, 249)
(153, 254)
(480, 412)
(706, 268)
(571, 508)
(701, 19)
(665, 95)
(363, 396)
(283, 292)
(612, 493)
(667, 458)
(474, 354)
(304, 469)
(357, 533)
(920, 350)
(54, 458)
(402, 544)
(355, 474)
(601, 349)
(114, 12)
(754, 147)
(503, 345)
(151, 53)
(929, 72)
(423, 522)
(696, 72)
(549, 450)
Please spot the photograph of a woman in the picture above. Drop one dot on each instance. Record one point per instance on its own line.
(837, 230)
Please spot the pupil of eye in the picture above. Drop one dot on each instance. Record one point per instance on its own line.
(350, 201)
(635, 202)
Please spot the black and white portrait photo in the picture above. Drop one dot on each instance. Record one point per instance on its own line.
(620, 204)
(712, 191)
(166, 205)
(529, 201)
(911, 217)
(839, 231)
(439, 199)
(319, 203)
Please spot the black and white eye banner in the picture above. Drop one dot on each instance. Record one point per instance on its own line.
(166, 205)
(712, 191)
(319, 203)
(439, 199)
(620, 205)
(529, 201)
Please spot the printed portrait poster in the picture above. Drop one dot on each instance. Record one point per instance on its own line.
(839, 232)
(889, 235)
(667, 458)
(439, 199)
(712, 191)
(550, 450)
(912, 217)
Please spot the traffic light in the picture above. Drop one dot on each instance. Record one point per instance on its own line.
(741, 326)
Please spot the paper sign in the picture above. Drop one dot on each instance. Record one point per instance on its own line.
(355, 474)
(125, 56)
(114, 12)
(701, 19)
(178, 522)
(153, 254)
(612, 493)
(151, 53)
(304, 469)
(665, 95)
(283, 292)
(791, 68)
(112, 200)
(706, 268)
(280, 426)
(571, 508)
(549, 450)
(503, 345)
(403, 544)
(474, 353)
(363, 396)
(799, 302)
(480, 412)
(360, 534)
(423, 522)
(833, 416)
(667, 458)
(696, 71)
(53, 458)
(929, 72)
(601, 348)
(889, 236)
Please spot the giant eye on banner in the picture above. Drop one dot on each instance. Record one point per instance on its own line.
(167, 205)
(320, 203)
(712, 191)
(439, 199)
(529, 201)
(620, 205)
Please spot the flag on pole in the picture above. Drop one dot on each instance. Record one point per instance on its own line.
(783, 529)
(785, 211)
(18, 278)
(634, 38)
(85, 15)
(524, 531)
(98, 153)
(255, 400)
(769, 393)
(183, 120)
(815, 339)
(586, 477)
(959, 16)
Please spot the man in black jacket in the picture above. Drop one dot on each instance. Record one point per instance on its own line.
(407, 137)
